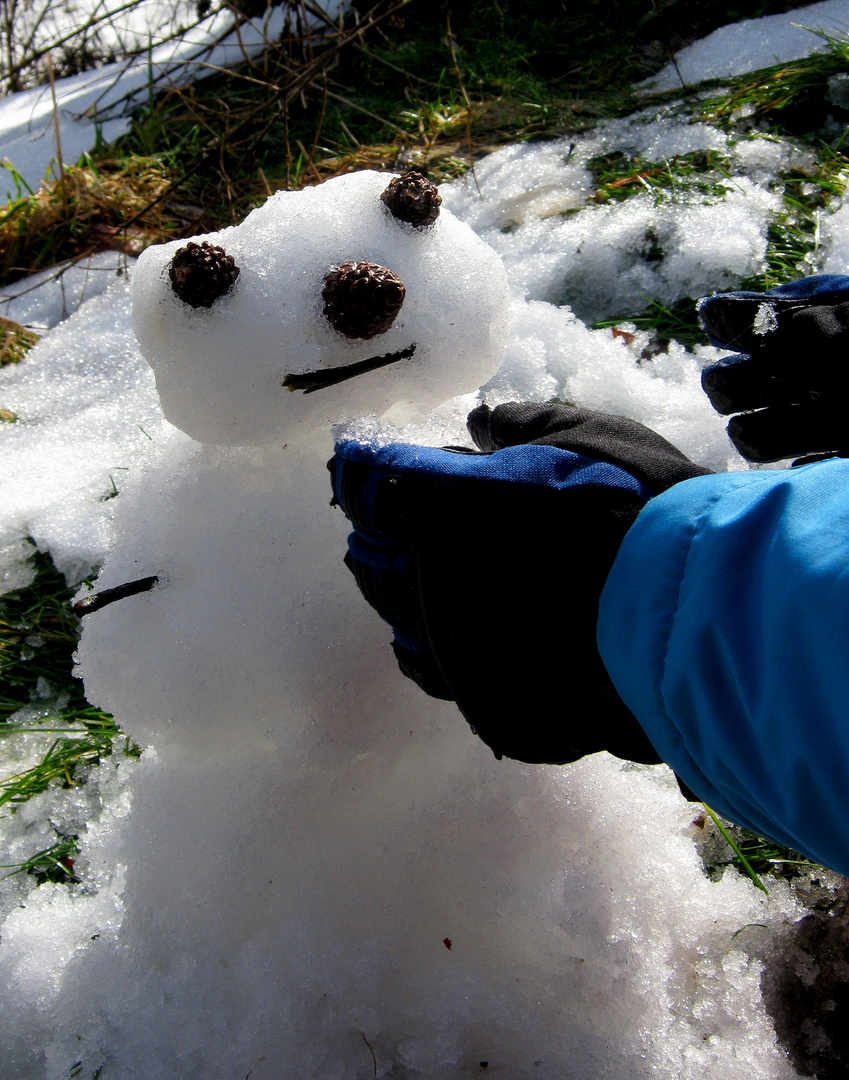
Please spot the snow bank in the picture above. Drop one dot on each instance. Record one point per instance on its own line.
(103, 100)
(753, 44)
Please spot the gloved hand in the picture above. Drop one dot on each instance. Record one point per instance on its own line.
(489, 563)
(790, 378)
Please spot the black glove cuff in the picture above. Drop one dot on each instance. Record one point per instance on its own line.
(614, 439)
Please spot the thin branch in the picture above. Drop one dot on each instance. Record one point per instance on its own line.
(468, 103)
(382, 119)
(56, 125)
(301, 82)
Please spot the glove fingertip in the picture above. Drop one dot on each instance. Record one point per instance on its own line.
(515, 422)
(761, 436)
(728, 319)
(715, 380)
(479, 425)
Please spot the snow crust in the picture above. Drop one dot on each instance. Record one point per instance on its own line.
(611, 257)
(43, 300)
(85, 405)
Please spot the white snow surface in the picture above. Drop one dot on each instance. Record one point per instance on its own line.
(315, 870)
(84, 401)
(754, 44)
(43, 300)
(105, 98)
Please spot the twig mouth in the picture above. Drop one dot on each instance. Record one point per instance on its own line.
(310, 381)
(99, 600)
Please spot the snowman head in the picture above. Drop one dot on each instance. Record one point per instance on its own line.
(326, 303)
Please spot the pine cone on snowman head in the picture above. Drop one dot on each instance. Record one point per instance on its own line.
(412, 198)
(362, 299)
(201, 273)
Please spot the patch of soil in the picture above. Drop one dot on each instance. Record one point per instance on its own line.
(805, 986)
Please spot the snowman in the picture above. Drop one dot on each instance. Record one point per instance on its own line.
(323, 867)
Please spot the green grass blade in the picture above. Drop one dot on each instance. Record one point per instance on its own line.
(744, 862)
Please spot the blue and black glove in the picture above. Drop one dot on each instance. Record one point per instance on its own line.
(789, 381)
(488, 563)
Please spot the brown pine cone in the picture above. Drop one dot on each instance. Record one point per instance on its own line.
(412, 198)
(200, 273)
(362, 299)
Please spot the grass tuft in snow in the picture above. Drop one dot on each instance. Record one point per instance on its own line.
(804, 107)
(797, 97)
(793, 248)
(39, 695)
(665, 322)
(84, 738)
(38, 634)
(723, 845)
(54, 863)
(619, 175)
(15, 341)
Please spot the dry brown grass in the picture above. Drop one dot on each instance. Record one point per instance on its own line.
(113, 205)
(15, 340)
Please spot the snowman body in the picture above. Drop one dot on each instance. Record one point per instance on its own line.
(315, 850)
(311, 837)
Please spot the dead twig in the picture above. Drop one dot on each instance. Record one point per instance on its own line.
(465, 96)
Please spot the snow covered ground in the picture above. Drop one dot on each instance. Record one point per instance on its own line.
(430, 912)
(102, 100)
(754, 44)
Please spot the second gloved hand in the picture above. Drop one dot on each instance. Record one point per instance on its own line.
(489, 563)
(788, 381)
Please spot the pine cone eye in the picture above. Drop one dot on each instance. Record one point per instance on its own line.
(201, 273)
(412, 198)
(362, 299)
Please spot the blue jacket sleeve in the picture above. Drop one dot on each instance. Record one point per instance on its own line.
(724, 625)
